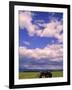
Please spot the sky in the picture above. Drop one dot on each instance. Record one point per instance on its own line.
(40, 40)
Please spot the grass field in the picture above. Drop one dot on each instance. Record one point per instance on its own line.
(29, 75)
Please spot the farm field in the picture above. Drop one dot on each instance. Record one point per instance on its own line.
(30, 75)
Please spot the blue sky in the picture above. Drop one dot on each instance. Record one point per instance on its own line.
(35, 41)
(39, 32)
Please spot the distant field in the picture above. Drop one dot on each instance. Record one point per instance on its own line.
(28, 75)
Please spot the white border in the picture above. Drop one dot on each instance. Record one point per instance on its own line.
(18, 81)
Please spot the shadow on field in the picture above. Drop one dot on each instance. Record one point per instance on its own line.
(45, 75)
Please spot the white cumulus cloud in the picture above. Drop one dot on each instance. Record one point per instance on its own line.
(51, 29)
(26, 43)
(53, 52)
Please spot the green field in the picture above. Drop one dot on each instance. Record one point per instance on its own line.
(28, 75)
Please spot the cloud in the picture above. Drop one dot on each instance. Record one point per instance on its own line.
(26, 43)
(39, 21)
(51, 29)
(29, 66)
(25, 19)
(51, 52)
